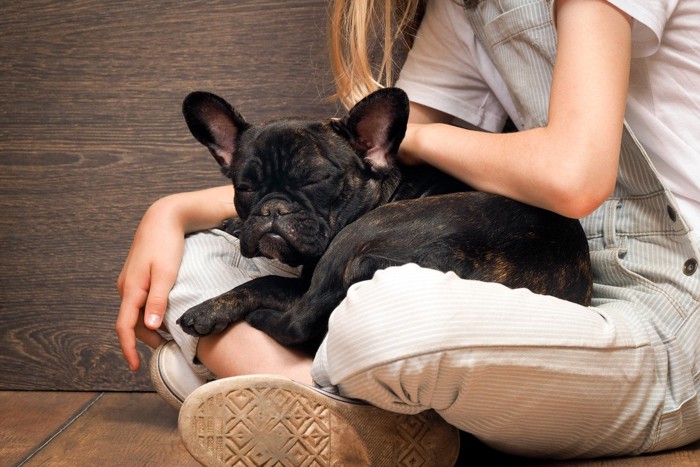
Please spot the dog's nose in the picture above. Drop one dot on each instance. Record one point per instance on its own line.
(275, 209)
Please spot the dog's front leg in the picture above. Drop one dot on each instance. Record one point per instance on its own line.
(273, 293)
(307, 319)
(300, 324)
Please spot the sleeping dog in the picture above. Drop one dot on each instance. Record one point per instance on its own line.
(331, 196)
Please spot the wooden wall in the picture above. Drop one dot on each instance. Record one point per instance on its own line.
(91, 133)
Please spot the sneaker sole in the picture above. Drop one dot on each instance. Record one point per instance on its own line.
(159, 382)
(268, 420)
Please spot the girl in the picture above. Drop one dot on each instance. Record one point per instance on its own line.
(603, 97)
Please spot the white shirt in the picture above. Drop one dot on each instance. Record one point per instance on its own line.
(449, 70)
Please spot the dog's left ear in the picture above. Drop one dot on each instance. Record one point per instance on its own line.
(376, 125)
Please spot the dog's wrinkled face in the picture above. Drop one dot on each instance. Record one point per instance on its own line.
(291, 180)
(298, 182)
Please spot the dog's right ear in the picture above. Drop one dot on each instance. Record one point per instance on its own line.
(215, 124)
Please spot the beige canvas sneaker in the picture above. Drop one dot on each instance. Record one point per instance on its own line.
(272, 420)
(172, 377)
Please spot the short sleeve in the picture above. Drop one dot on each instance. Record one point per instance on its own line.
(649, 20)
(442, 70)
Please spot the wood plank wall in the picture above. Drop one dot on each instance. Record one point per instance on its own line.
(91, 134)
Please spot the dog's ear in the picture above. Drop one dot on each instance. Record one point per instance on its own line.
(376, 125)
(215, 124)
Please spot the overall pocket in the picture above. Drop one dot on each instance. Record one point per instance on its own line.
(522, 41)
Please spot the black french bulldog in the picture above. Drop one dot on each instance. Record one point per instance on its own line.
(330, 196)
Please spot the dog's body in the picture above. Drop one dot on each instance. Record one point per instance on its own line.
(329, 196)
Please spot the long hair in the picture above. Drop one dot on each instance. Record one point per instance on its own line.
(363, 35)
(367, 39)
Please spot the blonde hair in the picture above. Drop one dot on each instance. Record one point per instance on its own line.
(361, 29)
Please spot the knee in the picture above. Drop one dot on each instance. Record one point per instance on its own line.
(382, 316)
(391, 294)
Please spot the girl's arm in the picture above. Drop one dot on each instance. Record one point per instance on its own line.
(153, 261)
(570, 165)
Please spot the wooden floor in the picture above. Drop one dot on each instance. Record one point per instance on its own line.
(138, 429)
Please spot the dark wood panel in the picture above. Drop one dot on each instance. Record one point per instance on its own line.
(91, 133)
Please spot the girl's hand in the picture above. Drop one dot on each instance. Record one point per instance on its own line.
(153, 261)
(148, 275)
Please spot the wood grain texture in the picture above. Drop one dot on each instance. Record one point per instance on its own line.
(91, 134)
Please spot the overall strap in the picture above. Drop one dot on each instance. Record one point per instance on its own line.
(521, 41)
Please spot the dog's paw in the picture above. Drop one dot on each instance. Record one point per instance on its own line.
(202, 320)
